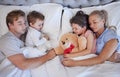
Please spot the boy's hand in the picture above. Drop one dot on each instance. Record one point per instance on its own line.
(46, 36)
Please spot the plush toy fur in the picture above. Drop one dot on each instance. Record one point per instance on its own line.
(70, 43)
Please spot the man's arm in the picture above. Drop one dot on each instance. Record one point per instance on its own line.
(27, 63)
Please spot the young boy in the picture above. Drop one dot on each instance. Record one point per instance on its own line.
(35, 38)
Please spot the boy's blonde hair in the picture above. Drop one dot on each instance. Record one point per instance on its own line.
(33, 16)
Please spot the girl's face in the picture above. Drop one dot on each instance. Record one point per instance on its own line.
(76, 28)
(38, 25)
(96, 23)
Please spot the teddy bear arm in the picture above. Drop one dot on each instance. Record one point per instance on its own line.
(75, 50)
(82, 43)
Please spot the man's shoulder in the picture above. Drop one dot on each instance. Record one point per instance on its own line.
(7, 37)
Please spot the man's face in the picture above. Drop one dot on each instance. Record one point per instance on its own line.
(19, 26)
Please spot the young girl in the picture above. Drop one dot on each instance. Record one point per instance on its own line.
(79, 24)
(108, 43)
(35, 37)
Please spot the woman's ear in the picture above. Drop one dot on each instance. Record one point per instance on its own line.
(103, 20)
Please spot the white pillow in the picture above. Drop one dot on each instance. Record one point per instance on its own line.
(68, 14)
(4, 10)
(52, 13)
(112, 9)
(114, 15)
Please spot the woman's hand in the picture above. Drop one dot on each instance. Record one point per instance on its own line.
(69, 62)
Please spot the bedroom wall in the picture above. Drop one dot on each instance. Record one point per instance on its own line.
(68, 3)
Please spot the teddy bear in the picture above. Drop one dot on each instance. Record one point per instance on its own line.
(70, 43)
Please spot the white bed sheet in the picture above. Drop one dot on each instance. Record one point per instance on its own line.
(54, 68)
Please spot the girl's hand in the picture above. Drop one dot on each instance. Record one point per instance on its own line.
(71, 55)
(68, 55)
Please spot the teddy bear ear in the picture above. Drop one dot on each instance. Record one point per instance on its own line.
(59, 50)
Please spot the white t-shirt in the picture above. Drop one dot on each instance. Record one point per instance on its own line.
(11, 45)
(34, 38)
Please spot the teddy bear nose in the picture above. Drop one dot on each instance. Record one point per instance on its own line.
(63, 42)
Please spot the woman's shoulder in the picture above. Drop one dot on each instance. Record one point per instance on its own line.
(109, 32)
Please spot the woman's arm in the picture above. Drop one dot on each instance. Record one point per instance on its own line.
(106, 53)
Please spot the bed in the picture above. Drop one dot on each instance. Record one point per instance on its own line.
(57, 15)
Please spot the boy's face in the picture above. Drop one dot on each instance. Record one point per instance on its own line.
(38, 25)
(19, 26)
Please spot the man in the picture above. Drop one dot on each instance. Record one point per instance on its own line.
(10, 47)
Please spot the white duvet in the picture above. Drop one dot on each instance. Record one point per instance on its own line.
(54, 68)
(7, 69)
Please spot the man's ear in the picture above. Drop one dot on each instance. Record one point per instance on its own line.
(10, 25)
(31, 24)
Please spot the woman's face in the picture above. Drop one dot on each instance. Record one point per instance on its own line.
(96, 23)
(76, 28)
